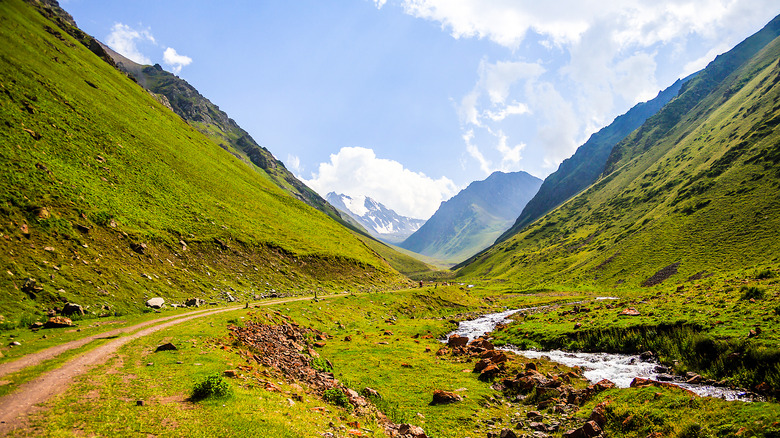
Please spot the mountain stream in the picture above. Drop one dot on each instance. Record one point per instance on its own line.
(619, 368)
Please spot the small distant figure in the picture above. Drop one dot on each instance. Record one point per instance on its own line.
(420, 283)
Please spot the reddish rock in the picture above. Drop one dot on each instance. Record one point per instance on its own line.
(602, 385)
(530, 366)
(630, 312)
(347, 338)
(457, 341)
(507, 433)
(575, 433)
(481, 365)
(489, 372)
(482, 343)
(58, 322)
(591, 429)
(598, 414)
(444, 397)
(443, 351)
(319, 344)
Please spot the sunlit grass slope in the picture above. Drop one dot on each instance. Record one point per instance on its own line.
(694, 190)
(93, 167)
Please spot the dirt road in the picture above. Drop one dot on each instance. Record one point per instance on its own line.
(16, 406)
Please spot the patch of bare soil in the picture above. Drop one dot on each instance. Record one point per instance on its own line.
(288, 349)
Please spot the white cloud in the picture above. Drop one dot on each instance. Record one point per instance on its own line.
(356, 171)
(294, 163)
(510, 156)
(485, 165)
(379, 3)
(176, 61)
(611, 55)
(123, 39)
(515, 108)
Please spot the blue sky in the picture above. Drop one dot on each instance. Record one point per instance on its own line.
(408, 101)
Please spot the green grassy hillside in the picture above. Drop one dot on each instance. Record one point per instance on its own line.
(94, 167)
(692, 192)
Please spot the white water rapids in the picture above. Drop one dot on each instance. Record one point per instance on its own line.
(619, 368)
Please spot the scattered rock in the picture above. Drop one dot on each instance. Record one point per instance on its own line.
(140, 248)
(36, 325)
(230, 373)
(194, 302)
(444, 397)
(14, 344)
(139, 403)
(31, 287)
(693, 379)
(409, 430)
(58, 322)
(457, 341)
(482, 343)
(155, 303)
(489, 372)
(507, 433)
(647, 356)
(369, 392)
(630, 312)
(71, 309)
(166, 347)
(347, 338)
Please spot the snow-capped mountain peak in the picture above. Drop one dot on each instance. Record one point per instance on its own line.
(377, 219)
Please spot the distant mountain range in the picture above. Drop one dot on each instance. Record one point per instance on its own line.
(380, 221)
(475, 217)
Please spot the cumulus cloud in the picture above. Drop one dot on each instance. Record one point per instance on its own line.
(357, 171)
(176, 61)
(613, 53)
(124, 39)
(379, 3)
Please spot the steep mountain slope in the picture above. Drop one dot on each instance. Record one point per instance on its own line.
(693, 191)
(109, 197)
(380, 221)
(584, 167)
(190, 105)
(472, 219)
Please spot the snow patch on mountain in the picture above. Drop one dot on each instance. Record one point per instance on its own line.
(377, 219)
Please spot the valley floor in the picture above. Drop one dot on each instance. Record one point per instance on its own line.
(115, 383)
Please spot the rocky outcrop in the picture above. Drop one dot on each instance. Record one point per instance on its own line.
(444, 397)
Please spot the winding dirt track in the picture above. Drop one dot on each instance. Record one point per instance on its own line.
(16, 406)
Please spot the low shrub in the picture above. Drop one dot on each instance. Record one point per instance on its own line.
(752, 292)
(337, 397)
(213, 385)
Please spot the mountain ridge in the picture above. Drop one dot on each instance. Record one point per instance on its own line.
(583, 168)
(472, 219)
(684, 195)
(380, 221)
